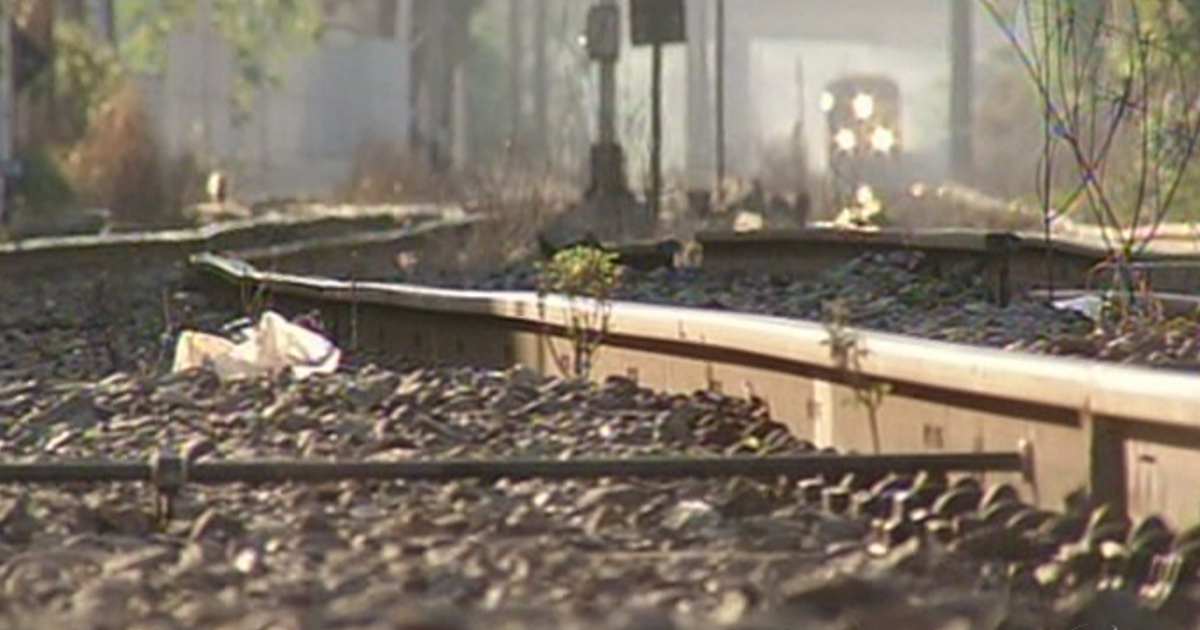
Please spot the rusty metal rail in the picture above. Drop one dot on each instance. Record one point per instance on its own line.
(173, 472)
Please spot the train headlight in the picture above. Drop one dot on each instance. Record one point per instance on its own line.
(845, 139)
(863, 106)
(864, 195)
(827, 102)
(883, 139)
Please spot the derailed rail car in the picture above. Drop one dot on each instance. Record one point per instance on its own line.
(862, 114)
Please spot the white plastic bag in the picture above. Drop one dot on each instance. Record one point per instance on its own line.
(1090, 306)
(272, 345)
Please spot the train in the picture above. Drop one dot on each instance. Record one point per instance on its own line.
(865, 141)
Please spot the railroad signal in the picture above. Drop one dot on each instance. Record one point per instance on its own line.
(604, 32)
(653, 22)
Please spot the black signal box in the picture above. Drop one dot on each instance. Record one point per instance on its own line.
(656, 22)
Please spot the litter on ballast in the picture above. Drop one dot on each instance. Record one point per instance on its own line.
(270, 346)
(1089, 305)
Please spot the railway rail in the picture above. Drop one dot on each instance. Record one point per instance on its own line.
(1126, 434)
(134, 249)
(1037, 427)
(1009, 263)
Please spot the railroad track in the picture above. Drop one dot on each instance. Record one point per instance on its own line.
(1032, 429)
(1098, 410)
(1009, 263)
(168, 247)
(1123, 433)
(86, 305)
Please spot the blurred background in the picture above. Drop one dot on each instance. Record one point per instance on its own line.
(131, 106)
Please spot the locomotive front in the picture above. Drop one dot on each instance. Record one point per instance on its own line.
(862, 114)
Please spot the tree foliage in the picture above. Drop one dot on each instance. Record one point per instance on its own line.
(260, 32)
(1116, 85)
(86, 75)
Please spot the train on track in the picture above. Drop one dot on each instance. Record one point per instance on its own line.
(865, 144)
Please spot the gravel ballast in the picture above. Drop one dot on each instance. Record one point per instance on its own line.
(613, 553)
(83, 377)
(81, 324)
(902, 293)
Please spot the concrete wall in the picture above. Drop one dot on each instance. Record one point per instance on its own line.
(302, 136)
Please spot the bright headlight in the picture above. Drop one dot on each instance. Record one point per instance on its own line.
(864, 195)
(883, 139)
(845, 139)
(863, 106)
(826, 102)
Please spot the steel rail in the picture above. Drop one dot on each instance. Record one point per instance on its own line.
(1082, 418)
(132, 249)
(175, 472)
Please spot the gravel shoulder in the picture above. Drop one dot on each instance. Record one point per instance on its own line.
(610, 553)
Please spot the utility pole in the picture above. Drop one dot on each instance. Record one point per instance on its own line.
(962, 63)
(541, 86)
(6, 107)
(699, 109)
(516, 65)
(608, 161)
(720, 61)
(656, 69)
(438, 85)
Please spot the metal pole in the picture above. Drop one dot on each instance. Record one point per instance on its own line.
(300, 471)
(961, 89)
(516, 66)
(441, 80)
(6, 107)
(541, 86)
(655, 131)
(699, 102)
(608, 103)
(720, 63)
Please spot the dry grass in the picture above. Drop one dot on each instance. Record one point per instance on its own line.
(517, 198)
(953, 206)
(117, 164)
(382, 174)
